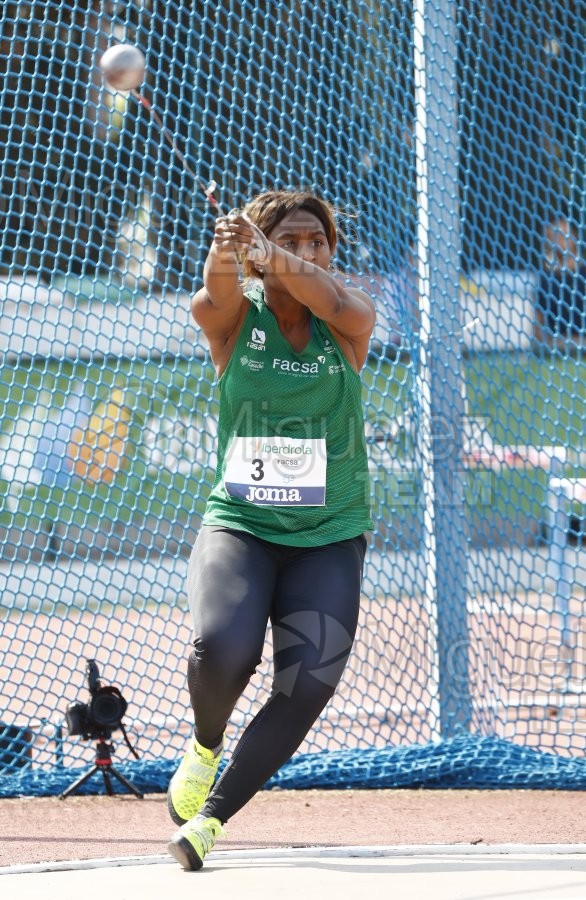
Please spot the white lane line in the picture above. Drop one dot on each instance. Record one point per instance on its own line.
(395, 851)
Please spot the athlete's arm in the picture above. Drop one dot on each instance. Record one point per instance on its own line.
(219, 305)
(349, 311)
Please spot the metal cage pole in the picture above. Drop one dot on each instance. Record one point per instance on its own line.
(439, 380)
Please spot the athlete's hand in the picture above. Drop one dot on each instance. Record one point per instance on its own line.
(225, 239)
(237, 234)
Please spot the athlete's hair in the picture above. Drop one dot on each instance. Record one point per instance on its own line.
(269, 208)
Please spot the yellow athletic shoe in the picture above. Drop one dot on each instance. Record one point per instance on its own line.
(194, 840)
(189, 788)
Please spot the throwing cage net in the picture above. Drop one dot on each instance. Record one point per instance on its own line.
(451, 136)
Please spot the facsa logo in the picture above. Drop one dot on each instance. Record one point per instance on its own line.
(257, 339)
(297, 368)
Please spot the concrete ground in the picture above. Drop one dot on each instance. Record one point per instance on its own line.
(440, 873)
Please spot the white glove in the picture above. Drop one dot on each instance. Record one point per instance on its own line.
(260, 249)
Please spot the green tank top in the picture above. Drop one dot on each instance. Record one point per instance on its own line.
(292, 465)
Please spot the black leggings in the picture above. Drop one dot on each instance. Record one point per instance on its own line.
(311, 595)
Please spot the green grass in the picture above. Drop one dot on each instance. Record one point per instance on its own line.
(528, 400)
(150, 390)
(524, 400)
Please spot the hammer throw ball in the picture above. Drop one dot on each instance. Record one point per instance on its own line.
(123, 67)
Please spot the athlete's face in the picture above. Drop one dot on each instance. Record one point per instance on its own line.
(302, 234)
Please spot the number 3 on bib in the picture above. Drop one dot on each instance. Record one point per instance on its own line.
(258, 474)
(277, 471)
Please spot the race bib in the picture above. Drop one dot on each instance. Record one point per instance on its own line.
(277, 471)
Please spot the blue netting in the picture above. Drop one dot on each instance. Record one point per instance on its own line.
(451, 135)
(462, 762)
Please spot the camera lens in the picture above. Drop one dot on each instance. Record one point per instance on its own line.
(107, 708)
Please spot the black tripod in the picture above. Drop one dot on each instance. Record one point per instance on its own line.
(104, 765)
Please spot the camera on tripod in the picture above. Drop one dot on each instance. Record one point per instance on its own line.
(97, 720)
(104, 712)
